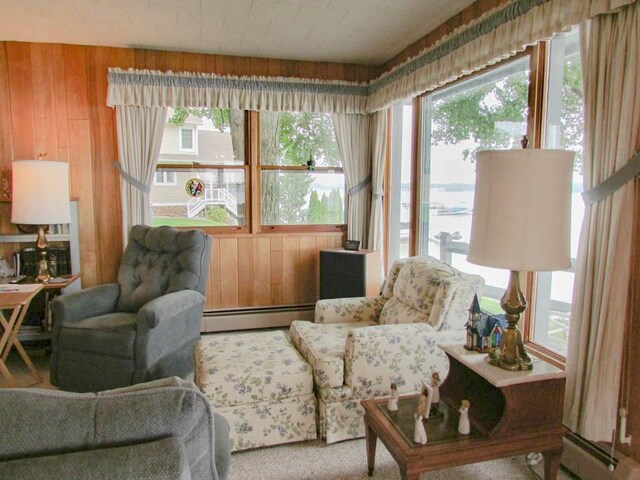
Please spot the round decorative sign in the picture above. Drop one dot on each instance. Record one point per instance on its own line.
(194, 187)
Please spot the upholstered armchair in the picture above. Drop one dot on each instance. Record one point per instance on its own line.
(160, 430)
(141, 328)
(358, 346)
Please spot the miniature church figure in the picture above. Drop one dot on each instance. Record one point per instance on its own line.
(463, 424)
(392, 403)
(424, 404)
(419, 434)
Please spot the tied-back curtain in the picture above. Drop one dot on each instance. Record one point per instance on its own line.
(140, 132)
(611, 52)
(378, 130)
(352, 137)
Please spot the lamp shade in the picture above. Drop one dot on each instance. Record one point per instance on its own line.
(522, 210)
(40, 192)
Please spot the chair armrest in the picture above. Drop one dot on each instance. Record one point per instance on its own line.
(406, 354)
(86, 303)
(356, 309)
(166, 307)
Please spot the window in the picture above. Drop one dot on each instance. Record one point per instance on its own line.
(400, 182)
(563, 129)
(301, 178)
(165, 178)
(487, 111)
(219, 163)
(187, 139)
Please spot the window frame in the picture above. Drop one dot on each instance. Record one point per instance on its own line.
(165, 182)
(194, 139)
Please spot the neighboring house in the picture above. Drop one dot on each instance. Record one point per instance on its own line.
(197, 143)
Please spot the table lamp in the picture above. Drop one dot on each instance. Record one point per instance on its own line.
(521, 221)
(40, 197)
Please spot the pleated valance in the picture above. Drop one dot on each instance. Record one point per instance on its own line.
(498, 34)
(167, 89)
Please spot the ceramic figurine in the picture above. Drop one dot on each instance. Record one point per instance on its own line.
(435, 384)
(419, 434)
(424, 404)
(392, 403)
(463, 424)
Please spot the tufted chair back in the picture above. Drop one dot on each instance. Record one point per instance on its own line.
(161, 260)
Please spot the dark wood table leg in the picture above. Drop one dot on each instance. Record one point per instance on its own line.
(404, 475)
(372, 440)
(551, 464)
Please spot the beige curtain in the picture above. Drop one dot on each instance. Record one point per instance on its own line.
(378, 130)
(611, 52)
(140, 132)
(352, 137)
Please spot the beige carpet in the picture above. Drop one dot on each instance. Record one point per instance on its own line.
(348, 461)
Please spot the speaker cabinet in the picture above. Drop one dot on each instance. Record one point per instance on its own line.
(345, 273)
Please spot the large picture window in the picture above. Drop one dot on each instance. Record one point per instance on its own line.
(301, 177)
(487, 111)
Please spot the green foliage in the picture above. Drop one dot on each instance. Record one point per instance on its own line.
(218, 215)
(304, 134)
(315, 214)
(220, 117)
(335, 214)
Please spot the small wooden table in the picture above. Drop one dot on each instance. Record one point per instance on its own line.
(17, 299)
(511, 413)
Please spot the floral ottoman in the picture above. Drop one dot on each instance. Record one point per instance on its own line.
(260, 384)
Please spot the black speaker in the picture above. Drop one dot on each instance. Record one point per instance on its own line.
(345, 273)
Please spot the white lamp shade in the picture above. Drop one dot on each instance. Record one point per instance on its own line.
(40, 192)
(522, 210)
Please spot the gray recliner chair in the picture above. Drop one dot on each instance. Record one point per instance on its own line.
(141, 328)
(161, 430)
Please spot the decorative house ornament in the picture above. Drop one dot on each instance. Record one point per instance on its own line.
(484, 331)
(194, 187)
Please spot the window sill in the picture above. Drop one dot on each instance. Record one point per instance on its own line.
(554, 358)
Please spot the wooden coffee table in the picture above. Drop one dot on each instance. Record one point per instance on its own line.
(511, 413)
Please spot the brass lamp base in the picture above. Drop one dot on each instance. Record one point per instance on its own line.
(511, 355)
(43, 265)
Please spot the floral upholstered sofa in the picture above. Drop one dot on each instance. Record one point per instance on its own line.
(357, 346)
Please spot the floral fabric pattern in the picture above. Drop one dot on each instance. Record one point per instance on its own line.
(390, 281)
(356, 309)
(236, 369)
(262, 424)
(322, 345)
(394, 311)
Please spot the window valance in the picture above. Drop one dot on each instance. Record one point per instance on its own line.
(498, 34)
(167, 89)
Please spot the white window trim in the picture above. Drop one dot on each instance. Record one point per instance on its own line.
(165, 183)
(194, 136)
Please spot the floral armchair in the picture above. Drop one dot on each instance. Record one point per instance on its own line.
(358, 346)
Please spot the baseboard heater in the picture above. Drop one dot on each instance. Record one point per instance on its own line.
(590, 462)
(250, 318)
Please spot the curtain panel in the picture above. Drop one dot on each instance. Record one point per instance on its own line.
(378, 131)
(167, 89)
(496, 35)
(139, 137)
(611, 62)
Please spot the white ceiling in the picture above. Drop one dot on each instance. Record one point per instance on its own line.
(366, 32)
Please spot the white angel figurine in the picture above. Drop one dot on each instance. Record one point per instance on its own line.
(463, 424)
(392, 403)
(426, 397)
(435, 384)
(419, 434)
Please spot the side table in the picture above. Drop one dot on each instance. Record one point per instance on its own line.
(511, 413)
(17, 299)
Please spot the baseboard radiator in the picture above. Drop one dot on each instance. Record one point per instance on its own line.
(251, 318)
(590, 462)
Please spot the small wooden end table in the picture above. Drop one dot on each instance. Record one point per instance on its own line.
(511, 413)
(17, 299)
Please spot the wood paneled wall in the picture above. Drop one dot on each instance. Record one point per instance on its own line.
(53, 102)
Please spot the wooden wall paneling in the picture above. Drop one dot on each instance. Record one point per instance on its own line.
(173, 61)
(106, 182)
(290, 269)
(45, 125)
(193, 62)
(259, 66)
(307, 70)
(156, 60)
(21, 100)
(308, 270)
(275, 270)
(140, 58)
(261, 271)
(75, 64)
(245, 272)
(228, 272)
(60, 99)
(82, 189)
(211, 63)
(215, 274)
(6, 130)
(241, 66)
(322, 70)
